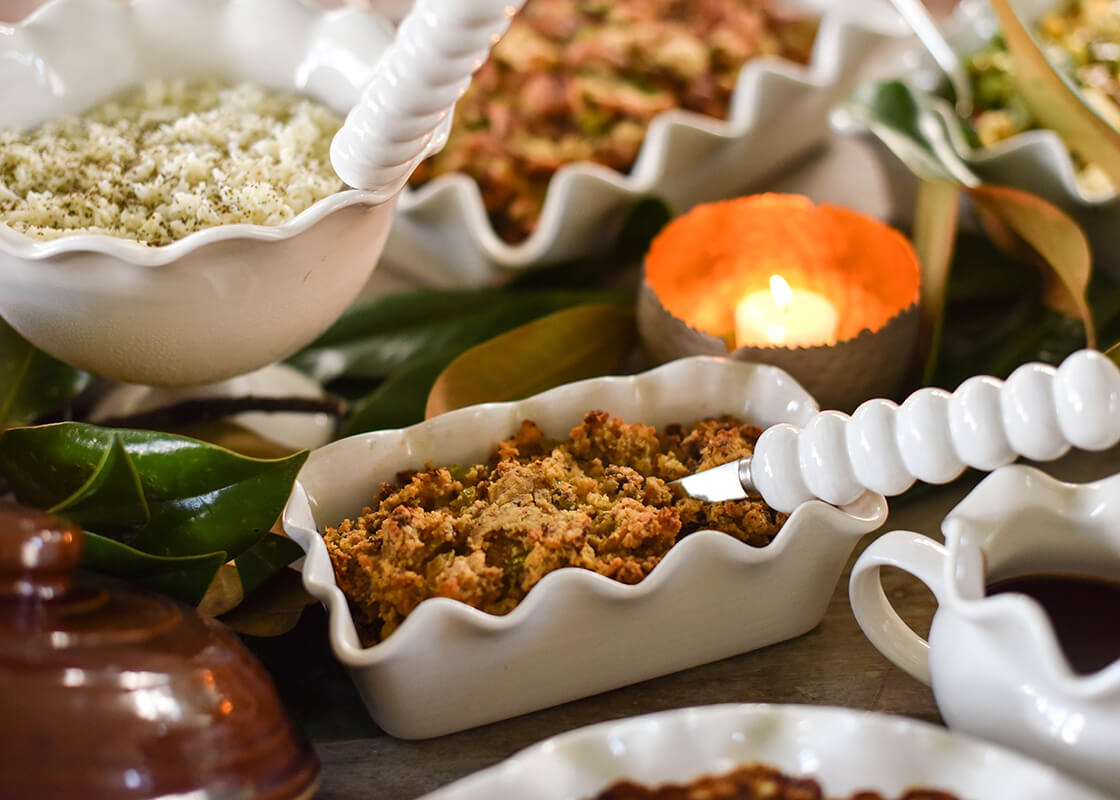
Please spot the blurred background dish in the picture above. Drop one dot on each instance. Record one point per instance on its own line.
(444, 235)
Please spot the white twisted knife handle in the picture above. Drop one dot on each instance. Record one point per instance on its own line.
(439, 46)
(1039, 413)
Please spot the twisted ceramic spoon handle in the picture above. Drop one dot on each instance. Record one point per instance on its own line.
(1039, 413)
(439, 46)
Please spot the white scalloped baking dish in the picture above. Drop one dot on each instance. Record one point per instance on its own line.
(845, 750)
(577, 633)
(779, 112)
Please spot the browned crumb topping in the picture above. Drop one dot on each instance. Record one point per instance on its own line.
(486, 534)
(754, 782)
(580, 80)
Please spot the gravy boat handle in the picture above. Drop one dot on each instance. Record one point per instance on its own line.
(923, 558)
(393, 126)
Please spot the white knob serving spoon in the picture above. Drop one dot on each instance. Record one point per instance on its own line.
(1039, 412)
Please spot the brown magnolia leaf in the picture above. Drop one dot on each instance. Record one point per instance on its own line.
(576, 343)
(273, 609)
(1051, 234)
(935, 232)
(1053, 101)
(224, 592)
(1114, 353)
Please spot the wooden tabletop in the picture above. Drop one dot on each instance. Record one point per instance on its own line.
(831, 665)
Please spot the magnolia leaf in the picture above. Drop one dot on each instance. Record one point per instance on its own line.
(202, 498)
(1052, 234)
(373, 341)
(399, 401)
(581, 342)
(273, 609)
(264, 559)
(239, 579)
(31, 382)
(908, 125)
(224, 592)
(184, 577)
(1114, 353)
(112, 500)
(935, 232)
(1053, 100)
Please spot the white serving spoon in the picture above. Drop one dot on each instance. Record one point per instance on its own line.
(1039, 412)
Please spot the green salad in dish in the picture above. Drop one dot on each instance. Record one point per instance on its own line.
(1082, 40)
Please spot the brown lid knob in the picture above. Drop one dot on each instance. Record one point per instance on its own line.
(38, 553)
(109, 691)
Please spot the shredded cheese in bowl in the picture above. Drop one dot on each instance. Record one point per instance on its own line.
(167, 159)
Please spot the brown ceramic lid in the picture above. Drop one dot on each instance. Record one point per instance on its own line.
(108, 691)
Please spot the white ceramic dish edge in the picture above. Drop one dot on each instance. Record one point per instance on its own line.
(779, 112)
(533, 658)
(845, 750)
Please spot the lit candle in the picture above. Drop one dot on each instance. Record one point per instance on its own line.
(785, 318)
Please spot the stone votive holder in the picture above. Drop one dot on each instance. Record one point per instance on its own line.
(703, 263)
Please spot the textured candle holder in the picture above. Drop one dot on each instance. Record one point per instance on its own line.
(693, 279)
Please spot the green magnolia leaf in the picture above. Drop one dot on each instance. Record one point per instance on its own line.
(399, 401)
(264, 559)
(935, 233)
(31, 382)
(1050, 233)
(912, 128)
(577, 343)
(184, 577)
(112, 500)
(241, 578)
(202, 498)
(373, 341)
(1053, 100)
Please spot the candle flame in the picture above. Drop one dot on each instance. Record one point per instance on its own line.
(783, 295)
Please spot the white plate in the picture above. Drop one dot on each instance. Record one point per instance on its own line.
(844, 750)
(779, 112)
(577, 633)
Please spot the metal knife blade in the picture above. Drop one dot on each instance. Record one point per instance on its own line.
(731, 481)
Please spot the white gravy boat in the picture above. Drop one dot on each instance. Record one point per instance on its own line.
(228, 299)
(994, 662)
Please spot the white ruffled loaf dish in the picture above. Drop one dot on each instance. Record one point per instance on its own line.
(779, 112)
(449, 667)
(1035, 161)
(845, 750)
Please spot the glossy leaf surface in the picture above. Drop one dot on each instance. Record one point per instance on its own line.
(31, 382)
(201, 498)
(569, 345)
(184, 577)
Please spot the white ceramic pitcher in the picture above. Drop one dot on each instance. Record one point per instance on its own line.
(994, 662)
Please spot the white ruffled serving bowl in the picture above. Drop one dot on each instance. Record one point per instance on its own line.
(845, 750)
(1036, 161)
(779, 112)
(577, 633)
(224, 300)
